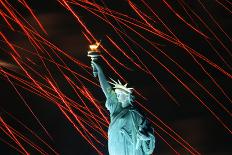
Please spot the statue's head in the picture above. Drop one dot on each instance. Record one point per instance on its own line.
(124, 94)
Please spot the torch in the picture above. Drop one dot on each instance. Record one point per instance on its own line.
(94, 53)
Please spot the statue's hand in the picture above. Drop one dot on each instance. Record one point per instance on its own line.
(95, 65)
(96, 68)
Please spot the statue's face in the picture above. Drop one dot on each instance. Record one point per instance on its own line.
(123, 97)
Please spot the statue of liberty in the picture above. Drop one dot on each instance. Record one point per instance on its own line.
(129, 132)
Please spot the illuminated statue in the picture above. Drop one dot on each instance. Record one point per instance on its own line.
(129, 132)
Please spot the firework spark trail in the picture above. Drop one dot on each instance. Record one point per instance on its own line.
(176, 42)
(189, 49)
(216, 37)
(66, 68)
(185, 72)
(32, 132)
(199, 55)
(34, 16)
(74, 86)
(210, 15)
(207, 27)
(72, 112)
(11, 135)
(71, 83)
(110, 12)
(100, 133)
(186, 11)
(212, 79)
(9, 44)
(169, 128)
(87, 139)
(25, 139)
(98, 108)
(115, 29)
(224, 6)
(181, 18)
(194, 78)
(21, 97)
(228, 2)
(169, 6)
(95, 128)
(22, 137)
(196, 96)
(8, 134)
(4, 141)
(14, 16)
(48, 97)
(203, 70)
(124, 53)
(157, 32)
(46, 42)
(20, 24)
(98, 127)
(189, 150)
(22, 18)
(57, 103)
(52, 61)
(41, 47)
(5, 19)
(90, 97)
(210, 30)
(104, 49)
(166, 142)
(57, 67)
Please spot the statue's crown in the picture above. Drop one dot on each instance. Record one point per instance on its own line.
(119, 85)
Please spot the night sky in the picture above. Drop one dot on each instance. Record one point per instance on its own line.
(190, 119)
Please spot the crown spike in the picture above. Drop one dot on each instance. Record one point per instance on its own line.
(113, 80)
(119, 85)
(111, 83)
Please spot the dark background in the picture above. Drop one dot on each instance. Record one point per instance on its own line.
(191, 120)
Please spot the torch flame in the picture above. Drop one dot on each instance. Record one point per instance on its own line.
(94, 47)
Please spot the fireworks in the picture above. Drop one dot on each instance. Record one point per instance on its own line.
(139, 39)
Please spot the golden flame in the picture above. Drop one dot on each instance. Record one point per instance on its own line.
(94, 47)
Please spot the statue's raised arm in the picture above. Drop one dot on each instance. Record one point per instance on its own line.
(106, 87)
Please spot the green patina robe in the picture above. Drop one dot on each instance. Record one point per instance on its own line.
(123, 129)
